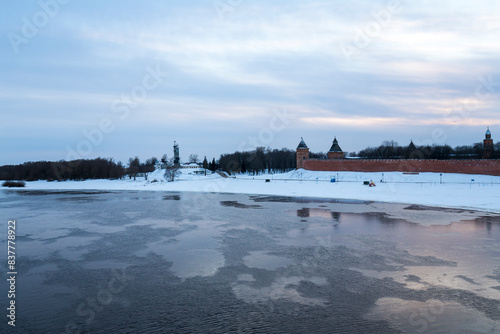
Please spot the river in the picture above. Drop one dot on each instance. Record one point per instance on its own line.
(163, 262)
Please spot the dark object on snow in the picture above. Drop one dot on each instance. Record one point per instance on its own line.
(14, 184)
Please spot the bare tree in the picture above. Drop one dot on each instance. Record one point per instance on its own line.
(193, 158)
(134, 165)
(171, 171)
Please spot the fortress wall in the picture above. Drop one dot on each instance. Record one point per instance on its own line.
(479, 166)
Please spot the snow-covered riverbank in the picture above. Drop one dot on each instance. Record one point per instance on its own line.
(479, 192)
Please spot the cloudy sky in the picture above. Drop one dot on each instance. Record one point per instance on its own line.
(82, 79)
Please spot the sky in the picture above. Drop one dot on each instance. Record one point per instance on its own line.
(117, 79)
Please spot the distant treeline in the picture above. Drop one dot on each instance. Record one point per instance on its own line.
(391, 150)
(258, 161)
(99, 168)
(83, 169)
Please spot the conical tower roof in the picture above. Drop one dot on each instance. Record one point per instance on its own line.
(302, 143)
(488, 131)
(335, 146)
(412, 146)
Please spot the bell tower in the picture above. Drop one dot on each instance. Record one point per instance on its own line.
(302, 153)
(488, 145)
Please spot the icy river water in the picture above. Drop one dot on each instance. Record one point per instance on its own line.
(160, 262)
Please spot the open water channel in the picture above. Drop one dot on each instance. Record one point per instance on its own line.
(160, 262)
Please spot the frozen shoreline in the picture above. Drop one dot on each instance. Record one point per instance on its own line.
(430, 189)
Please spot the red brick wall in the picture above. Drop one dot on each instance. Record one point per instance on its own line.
(479, 166)
(335, 155)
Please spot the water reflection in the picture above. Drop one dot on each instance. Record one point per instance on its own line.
(236, 204)
(431, 316)
(172, 197)
(321, 213)
(214, 263)
(336, 216)
(304, 212)
(284, 288)
(263, 260)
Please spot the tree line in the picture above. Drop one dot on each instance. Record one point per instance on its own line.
(86, 169)
(392, 150)
(99, 168)
(258, 161)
